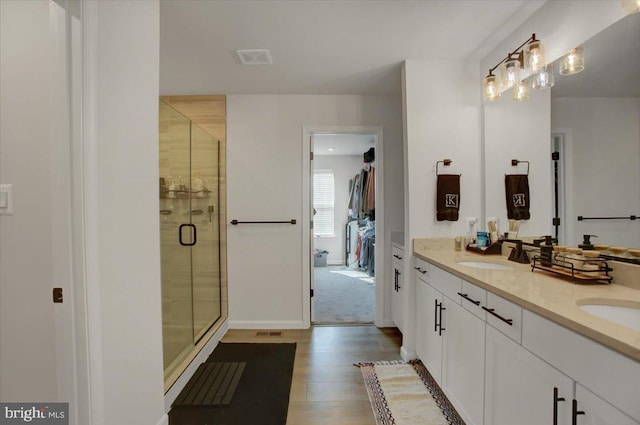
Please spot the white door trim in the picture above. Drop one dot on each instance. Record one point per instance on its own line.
(90, 213)
(381, 239)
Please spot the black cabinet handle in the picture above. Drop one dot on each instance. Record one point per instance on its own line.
(440, 328)
(395, 287)
(556, 399)
(193, 242)
(575, 413)
(397, 256)
(420, 270)
(466, 297)
(435, 318)
(492, 312)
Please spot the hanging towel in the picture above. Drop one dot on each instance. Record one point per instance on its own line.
(448, 197)
(517, 191)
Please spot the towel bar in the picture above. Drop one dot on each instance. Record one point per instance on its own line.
(629, 217)
(236, 222)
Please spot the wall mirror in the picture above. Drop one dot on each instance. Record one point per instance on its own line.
(592, 119)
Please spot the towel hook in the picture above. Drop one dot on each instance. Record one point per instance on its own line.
(445, 162)
(515, 162)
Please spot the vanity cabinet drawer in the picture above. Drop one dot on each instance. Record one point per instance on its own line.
(505, 316)
(422, 269)
(473, 298)
(397, 254)
(445, 282)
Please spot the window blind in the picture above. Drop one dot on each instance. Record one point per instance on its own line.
(323, 202)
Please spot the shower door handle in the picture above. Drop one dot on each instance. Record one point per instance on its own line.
(193, 242)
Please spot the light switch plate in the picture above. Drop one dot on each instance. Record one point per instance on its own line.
(6, 199)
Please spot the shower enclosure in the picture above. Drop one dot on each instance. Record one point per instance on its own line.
(189, 236)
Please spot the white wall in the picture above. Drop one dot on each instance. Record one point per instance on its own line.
(264, 159)
(602, 163)
(519, 130)
(442, 120)
(127, 60)
(344, 167)
(28, 360)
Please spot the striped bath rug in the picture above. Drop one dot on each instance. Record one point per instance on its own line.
(406, 394)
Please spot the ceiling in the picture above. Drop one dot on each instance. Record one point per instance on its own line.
(611, 64)
(342, 144)
(322, 47)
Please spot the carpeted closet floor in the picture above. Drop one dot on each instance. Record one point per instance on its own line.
(343, 296)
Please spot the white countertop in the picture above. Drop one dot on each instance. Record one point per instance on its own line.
(543, 293)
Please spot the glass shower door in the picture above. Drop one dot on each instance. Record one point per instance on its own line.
(175, 210)
(205, 216)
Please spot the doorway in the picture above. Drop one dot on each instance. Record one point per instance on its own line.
(343, 234)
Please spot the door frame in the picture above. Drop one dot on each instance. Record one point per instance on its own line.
(307, 255)
(564, 140)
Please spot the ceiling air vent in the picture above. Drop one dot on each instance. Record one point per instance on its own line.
(255, 57)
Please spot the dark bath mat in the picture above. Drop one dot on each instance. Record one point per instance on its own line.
(262, 393)
(213, 384)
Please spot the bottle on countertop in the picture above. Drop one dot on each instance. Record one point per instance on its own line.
(586, 243)
(546, 252)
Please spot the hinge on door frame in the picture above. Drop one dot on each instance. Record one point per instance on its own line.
(555, 156)
(311, 224)
(311, 156)
(311, 293)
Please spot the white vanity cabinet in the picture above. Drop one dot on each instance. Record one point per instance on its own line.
(428, 336)
(607, 382)
(397, 307)
(500, 364)
(522, 389)
(463, 354)
(592, 410)
(450, 340)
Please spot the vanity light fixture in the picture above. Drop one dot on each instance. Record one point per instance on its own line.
(529, 55)
(572, 62)
(631, 6)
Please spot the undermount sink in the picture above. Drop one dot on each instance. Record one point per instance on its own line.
(622, 312)
(484, 265)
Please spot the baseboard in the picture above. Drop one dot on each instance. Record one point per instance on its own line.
(388, 323)
(164, 420)
(266, 324)
(335, 263)
(407, 355)
(182, 381)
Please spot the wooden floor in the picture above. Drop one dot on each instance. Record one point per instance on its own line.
(326, 388)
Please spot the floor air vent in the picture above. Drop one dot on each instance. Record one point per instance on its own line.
(269, 333)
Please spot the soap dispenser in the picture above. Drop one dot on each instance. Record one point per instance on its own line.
(586, 243)
(546, 252)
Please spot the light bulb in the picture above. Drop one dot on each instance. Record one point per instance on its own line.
(521, 92)
(543, 79)
(490, 88)
(534, 56)
(510, 73)
(631, 6)
(572, 62)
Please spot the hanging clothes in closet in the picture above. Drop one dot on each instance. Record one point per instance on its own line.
(362, 199)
